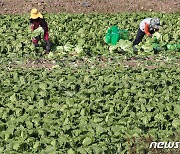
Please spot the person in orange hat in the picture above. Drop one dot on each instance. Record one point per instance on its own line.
(37, 20)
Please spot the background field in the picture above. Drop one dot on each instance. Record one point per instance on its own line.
(81, 98)
(87, 6)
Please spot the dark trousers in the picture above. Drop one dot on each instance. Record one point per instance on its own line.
(139, 36)
(37, 39)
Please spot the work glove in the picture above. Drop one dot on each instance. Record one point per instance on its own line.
(36, 45)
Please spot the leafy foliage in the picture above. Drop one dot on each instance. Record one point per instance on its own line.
(87, 110)
(82, 34)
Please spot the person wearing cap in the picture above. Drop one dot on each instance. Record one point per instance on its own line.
(147, 27)
(37, 20)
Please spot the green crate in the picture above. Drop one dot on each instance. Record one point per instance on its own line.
(114, 34)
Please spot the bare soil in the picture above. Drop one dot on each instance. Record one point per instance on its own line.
(88, 6)
(101, 62)
(38, 64)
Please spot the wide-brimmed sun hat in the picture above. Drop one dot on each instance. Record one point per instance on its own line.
(35, 14)
(155, 23)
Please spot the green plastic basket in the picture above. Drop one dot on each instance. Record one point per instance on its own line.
(114, 34)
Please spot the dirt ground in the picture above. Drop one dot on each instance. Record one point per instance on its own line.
(88, 6)
(149, 62)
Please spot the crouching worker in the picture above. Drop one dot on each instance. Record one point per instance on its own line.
(36, 21)
(147, 27)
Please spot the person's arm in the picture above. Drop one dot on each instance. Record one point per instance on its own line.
(31, 25)
(44, 25)
(146, 30)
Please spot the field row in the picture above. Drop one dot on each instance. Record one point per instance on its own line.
(81, 34)
(88, 110)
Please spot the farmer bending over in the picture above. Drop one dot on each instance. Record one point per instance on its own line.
(36, 21)
(148, 26)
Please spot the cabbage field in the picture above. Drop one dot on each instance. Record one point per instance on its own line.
(92, 101)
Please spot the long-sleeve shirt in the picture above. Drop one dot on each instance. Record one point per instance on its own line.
(36, 23)
(145, 26)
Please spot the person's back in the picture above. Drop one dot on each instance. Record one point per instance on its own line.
(147, 27)
(143, 24)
